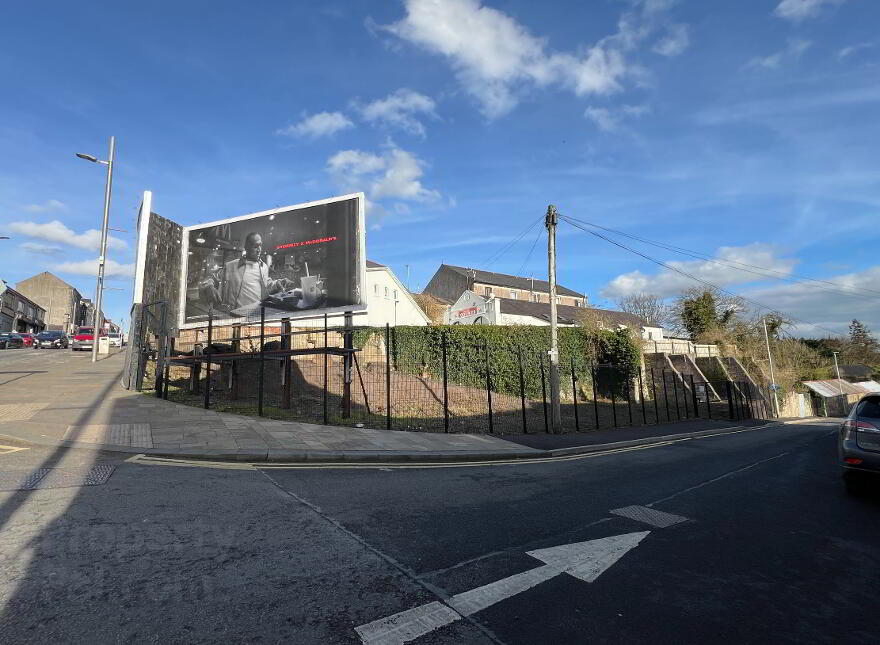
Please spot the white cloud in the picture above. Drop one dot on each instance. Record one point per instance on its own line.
(674, 43)
(51, 205)
(392, 174)
(41, 249)
(667, 283)
(56, 231)
(112, 269)
(793, 51)
(496, 59)
(603, 118)
(399, 110)
(846, 52)
(821, 309)
(797, 10)
(322, 124)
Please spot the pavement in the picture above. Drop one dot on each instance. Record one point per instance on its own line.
(59, 398)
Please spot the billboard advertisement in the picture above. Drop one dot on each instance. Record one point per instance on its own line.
(297, 261)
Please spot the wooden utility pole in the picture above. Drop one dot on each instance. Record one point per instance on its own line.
(555, 417)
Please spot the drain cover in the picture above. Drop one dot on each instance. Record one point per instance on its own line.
(56, 478)
(649, 516)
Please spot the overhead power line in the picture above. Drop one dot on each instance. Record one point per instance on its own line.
(712, 285)
(741, 266)
(531, 250)
(504, 249)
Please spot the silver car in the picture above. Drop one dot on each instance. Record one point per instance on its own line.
(858, 444)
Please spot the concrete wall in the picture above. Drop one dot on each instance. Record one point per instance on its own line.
(447, 284)
(60, 300)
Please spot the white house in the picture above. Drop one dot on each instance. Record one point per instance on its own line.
(388, 302)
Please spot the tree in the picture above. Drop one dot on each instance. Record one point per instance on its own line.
(697, 314)
(651, 308)
(862, 345)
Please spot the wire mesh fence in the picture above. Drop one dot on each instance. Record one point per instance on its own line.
(319, 375)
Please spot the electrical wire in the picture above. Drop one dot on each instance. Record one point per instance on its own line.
(531, 250)
(712, 285)
(504, 249)
(741, 266)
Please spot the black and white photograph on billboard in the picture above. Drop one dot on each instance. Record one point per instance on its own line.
(295, 261)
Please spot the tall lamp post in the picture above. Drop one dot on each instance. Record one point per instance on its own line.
(837, 369)
(99, 289)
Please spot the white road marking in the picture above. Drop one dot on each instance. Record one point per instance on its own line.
(651, 516)
(583, 560)
(5, 450)
(407, 625)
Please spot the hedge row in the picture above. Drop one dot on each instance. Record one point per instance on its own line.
(419, 350)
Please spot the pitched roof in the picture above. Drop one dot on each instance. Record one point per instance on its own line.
(566, 314)
(833, 387)
(511, 281)
(856, 371)
(374, 265)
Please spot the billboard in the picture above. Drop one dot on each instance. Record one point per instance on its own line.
(297, 261)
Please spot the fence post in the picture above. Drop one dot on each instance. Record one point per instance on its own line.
(160, 353)
(574, 395)
(168, 368)
(489, 387)
(675, 392)
(642, 397)
(233, 370)
(684, 395)
(613, 403)
(629, 404)
(326, 419)
(543, 391)
(387, 376)
(522, 391)
(708, 401)
(445, 383)
(348, 342)
(666, 396)
(595, 398)
(731, 415)
(654, 392)
(208, 358)
(285, 366)
(262, 359)
(694, 394)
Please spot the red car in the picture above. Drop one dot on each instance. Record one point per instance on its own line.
(27, 339)
(83, 338)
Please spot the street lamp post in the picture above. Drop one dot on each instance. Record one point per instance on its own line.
(99, 289)
(837, 369)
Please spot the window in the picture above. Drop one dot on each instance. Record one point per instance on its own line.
(386, 292)
(488, 290)
(376, 289)
(536, 297)
(513, 295)
(395, 295)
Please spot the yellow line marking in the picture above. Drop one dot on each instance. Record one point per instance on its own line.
(5, 450)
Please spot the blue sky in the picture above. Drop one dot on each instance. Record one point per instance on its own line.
(746, 131)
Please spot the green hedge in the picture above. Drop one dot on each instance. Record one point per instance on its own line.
(417, 350)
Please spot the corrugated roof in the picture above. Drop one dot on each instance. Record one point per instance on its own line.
(834, 387)
(870, 386)
(512, 281)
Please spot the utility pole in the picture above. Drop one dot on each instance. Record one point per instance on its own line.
(770, 358)
(550, 221)
(102, 259)
(837, 369)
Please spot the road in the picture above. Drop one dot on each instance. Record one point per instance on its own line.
(770, 548)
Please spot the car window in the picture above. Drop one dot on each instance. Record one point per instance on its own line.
(869, 408)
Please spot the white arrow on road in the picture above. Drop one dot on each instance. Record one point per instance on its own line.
(584, 560)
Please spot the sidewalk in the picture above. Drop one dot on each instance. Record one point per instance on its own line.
(64, 400)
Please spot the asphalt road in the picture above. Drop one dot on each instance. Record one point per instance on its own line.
(771, 550)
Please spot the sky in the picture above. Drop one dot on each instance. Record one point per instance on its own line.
(745, 132)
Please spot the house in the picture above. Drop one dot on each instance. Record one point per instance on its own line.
(474, 309)
(855, 372)
(19, 313)
(62, 302)
(388, 302)
(450, 282)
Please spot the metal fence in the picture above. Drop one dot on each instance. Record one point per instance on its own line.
(317, 375)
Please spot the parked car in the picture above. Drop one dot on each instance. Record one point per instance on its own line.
(82, 339)
(115, 339)
(859, 444)
(10, 340)
(51, 340)
(27, 339)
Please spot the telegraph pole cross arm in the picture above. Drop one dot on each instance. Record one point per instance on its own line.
(550, 221)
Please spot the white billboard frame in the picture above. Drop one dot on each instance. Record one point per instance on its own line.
(292, 315)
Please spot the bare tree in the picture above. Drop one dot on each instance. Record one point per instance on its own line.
(651, 308)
